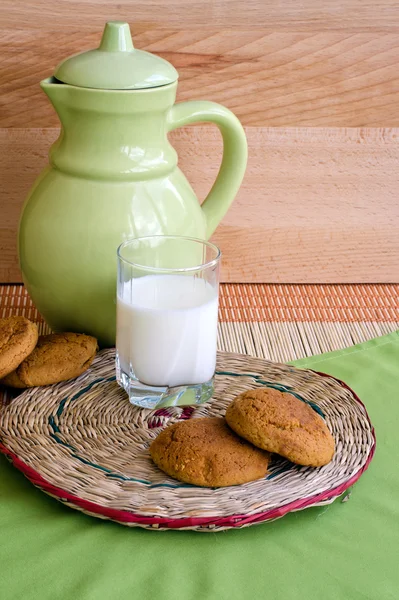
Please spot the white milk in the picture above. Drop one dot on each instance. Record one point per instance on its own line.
(167, 329)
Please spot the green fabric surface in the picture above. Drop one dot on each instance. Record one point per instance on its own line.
(343, 551)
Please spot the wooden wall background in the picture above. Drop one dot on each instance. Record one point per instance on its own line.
(315, 83)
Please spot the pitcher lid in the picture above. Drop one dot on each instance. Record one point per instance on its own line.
(116, 64)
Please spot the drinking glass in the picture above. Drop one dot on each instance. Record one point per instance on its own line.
(166, 326)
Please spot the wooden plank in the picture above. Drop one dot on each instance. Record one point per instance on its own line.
(364, 15)
(333, 78)
(317, 205)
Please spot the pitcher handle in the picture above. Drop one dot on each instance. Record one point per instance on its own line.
(235, 153)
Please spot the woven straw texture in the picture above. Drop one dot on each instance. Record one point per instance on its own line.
(279, 322)
(83, 443)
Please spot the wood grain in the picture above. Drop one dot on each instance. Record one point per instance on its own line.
(334, 78)
(362, 15)
(317, 205)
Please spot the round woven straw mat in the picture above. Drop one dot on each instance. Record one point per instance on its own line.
(85, 444)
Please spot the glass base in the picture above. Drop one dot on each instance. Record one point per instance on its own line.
(147, 396)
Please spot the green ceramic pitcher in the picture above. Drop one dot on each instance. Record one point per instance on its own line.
(113, 175)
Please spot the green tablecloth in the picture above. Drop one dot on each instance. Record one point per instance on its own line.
(343, 551)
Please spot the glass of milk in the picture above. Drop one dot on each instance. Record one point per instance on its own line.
(166, 326)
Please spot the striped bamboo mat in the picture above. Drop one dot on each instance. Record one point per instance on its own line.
(279, 322)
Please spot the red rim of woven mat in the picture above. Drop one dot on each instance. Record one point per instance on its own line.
(236, 520)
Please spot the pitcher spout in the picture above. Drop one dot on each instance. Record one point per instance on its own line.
(128, 125)
(55, 90)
